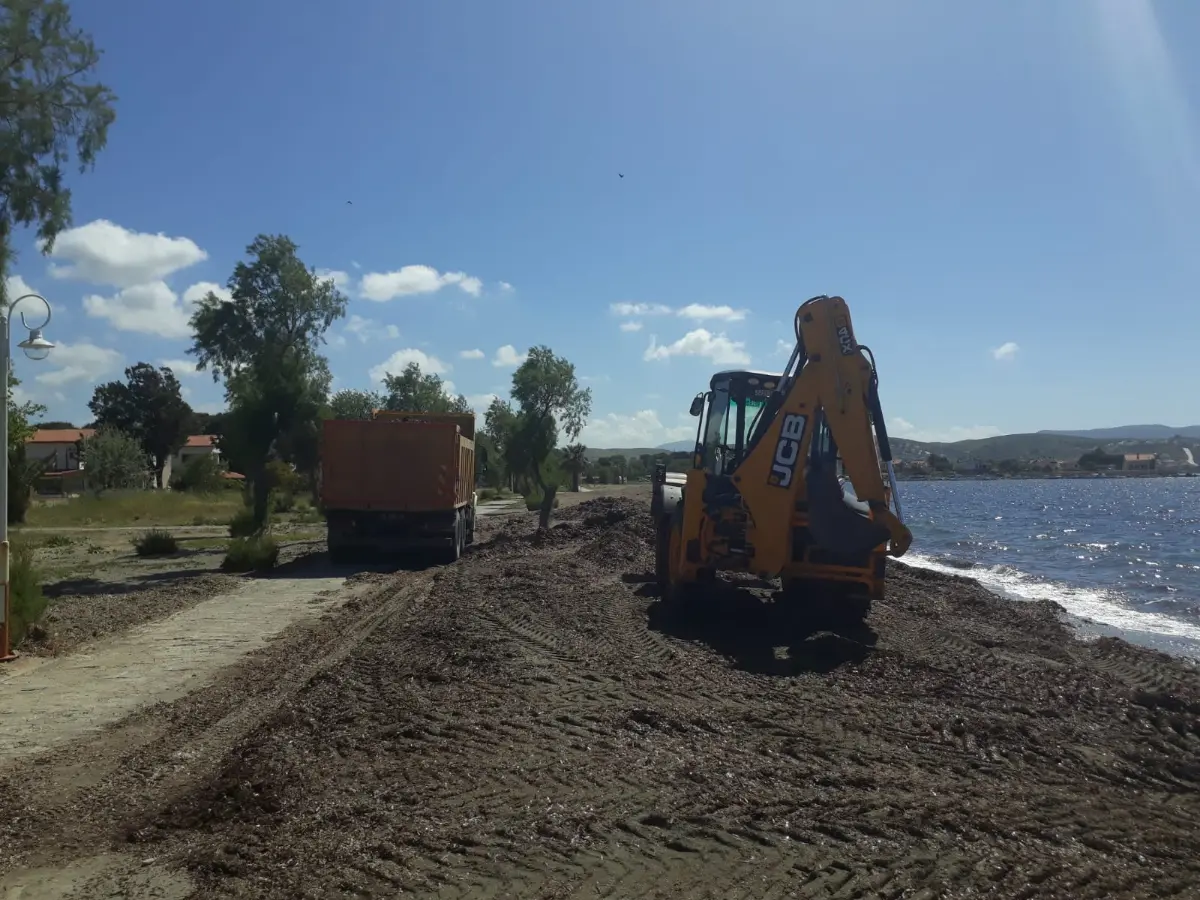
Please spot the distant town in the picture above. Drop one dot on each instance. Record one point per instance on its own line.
(1125, 451)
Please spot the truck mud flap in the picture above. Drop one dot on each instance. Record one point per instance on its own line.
(835, 525)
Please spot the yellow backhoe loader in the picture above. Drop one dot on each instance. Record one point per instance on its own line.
(765, 493)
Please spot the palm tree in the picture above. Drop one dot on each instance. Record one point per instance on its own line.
(575, 462)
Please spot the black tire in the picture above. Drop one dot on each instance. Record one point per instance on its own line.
(339, 553)
(662, 550)
(454, 554)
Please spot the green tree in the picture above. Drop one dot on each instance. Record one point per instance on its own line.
(549, 398)
(349, 404)
(148, 405)
(202, 474)
(49, 107)
(264, 343)
(939, 463)
(113, 460)
(575, 461)
(207, 423)
(414, 391)
(22, 472)
(500, 425)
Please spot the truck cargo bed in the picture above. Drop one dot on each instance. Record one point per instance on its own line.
(393, 484)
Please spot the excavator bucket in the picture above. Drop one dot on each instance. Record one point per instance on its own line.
(834, 524)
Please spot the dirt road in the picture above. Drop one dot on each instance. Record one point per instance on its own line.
(533, 722)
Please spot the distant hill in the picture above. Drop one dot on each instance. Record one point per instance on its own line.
(1037, 445)
(1133, 432)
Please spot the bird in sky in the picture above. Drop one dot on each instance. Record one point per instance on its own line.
(619, 175)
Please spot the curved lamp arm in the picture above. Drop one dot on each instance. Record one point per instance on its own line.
(12, 306)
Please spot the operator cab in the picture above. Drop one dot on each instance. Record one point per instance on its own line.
(729, 412)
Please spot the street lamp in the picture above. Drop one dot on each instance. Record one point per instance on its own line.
(35, 347)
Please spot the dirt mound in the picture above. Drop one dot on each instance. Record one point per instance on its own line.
(535, 722)
(606, 531)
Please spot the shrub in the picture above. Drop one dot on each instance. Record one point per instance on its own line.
(251, 554)
(155, 542)
(282, 501)
(242, 524)
(283, 478)
(28, 602)
(533, 502)
(201, 475)
(114, 460)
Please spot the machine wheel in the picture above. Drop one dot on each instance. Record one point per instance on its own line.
(456, 547)
(662, 554)
(670, 532)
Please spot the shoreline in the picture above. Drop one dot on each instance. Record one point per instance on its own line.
(1037, 476)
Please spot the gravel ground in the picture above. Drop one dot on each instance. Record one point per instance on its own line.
(533, 722)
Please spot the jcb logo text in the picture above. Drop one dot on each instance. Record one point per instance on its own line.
(787, 450)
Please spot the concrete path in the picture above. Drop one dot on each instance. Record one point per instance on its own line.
(47, 701)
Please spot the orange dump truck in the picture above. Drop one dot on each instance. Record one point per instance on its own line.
(399, 482)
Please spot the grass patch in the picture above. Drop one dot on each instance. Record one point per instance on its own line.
(251, 554)
(487, 494)
(124, 508)
(155, 542)
(25, 586)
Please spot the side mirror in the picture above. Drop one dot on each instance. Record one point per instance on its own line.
(697, 406)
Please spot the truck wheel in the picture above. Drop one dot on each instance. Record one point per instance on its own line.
(456, 548)
(338, 553)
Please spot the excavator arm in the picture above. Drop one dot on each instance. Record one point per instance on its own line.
(825, 405)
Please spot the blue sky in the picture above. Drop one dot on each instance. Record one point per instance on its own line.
(1006, 195)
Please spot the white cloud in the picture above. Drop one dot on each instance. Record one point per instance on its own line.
(784, 348)
(631, 325)
(367, 329)
(902, 428)
(181, 367)
(202, 289)
(341, 280)
(480, 402)
(15, 286)
(715, 347)
(641, 429)
(394, 364)
(701, 313)
(410, 280)
(151, 308)
(506, 288)
(1007, 350)
(507, 356)
(471, 354)
(102, 252)
(80, 362)
(639, 309)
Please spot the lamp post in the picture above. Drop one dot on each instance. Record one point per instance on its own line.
(35, 347)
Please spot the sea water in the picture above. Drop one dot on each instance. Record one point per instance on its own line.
(1120, 555)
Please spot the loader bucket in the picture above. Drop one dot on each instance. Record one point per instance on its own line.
(834, 524)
